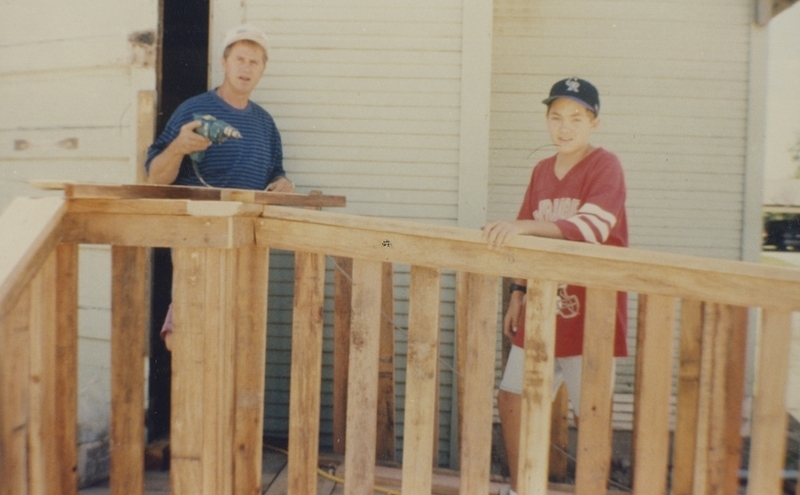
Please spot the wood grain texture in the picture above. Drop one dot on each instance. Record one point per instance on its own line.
(343, 291)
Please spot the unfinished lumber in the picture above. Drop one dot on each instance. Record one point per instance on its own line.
(653, 388)
(145, 130)
(250, 314)
(594, 433)
(130, 320)
(630, 270)
(66, 368)
(33, 228)
(687, 397)
(43, 479)
(385, 448)
(421, 380)
(306, 379)
(141, 191)
(343, 277)
(476, 440)
(15, 399)
(537, 385)
(768, 439)
(559, 435)
(362, 398)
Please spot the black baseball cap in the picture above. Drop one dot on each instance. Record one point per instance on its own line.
(579, 90)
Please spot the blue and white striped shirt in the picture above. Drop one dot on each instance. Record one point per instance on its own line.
(251, 162)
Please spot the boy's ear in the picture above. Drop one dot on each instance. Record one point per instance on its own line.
(595, 123)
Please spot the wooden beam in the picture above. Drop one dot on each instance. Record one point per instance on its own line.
(144, 191)
(537, 386)
(165, 207)
(343, 290)
(42, 446)
(15, 398)
(145, 130)
(594, 433)
(655, 335)
(768, 439)
(66, 368)
(385, 449)
(421, 380)
(130, 319)
(559, 435)
(29, 231)
(161, 230)
(607, 267)
(306, 378)
(686, 425)
(250, 313)
(362, 399)
(476, 440)
(202, 420)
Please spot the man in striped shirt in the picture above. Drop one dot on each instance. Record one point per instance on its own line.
(253, 162)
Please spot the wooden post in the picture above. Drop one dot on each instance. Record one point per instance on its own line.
(252, 278)
(343, 290)
(655, 334)
(304, 395)
(362, 400)
(594, 433)
(66, 368)
(537, 386)
(385, 449)
(42, 447)
(768, 445)
(559, 435)
(130, 318)
(717, 454)
(421, 381)
(462, 315)
(684, 444)
(145, 130)
(203, 372)
(15, 398)
(476, 430)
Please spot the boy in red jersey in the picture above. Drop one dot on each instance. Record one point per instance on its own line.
(579, 195)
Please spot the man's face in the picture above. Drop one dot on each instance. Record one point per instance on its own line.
(570, 125)
(244, 67)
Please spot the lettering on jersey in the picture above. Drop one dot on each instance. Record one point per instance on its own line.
(568, 304)
(557, 209)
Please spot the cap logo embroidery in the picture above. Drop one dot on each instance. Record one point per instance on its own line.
(573, 85)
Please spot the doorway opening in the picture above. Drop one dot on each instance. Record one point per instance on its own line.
(182, 73)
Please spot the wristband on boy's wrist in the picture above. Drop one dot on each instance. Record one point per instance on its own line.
(521, 288)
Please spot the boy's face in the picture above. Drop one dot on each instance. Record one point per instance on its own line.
(570, 125)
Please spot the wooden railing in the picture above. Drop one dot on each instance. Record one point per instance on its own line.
(220, 254)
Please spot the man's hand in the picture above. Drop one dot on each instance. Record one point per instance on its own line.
(281, 184)
(165, 166)
(189, 141)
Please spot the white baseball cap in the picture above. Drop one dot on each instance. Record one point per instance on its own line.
(245, 32)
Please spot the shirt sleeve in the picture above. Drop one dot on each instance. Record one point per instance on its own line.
(170, 132)
(602, 203)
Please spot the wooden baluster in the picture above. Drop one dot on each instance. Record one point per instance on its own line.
(343, 291)
(252, 278)
(42, 454)
(15, 390)
(130, 320)
(66, 368)
(537, 386)
(655, 336)
(421, 382)
(385, 449)
(478, 392)
(594, 433)
(688, 395)
(768, 445)
(717, 454)
(304, 395)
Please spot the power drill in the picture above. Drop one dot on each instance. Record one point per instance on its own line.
(216, 131)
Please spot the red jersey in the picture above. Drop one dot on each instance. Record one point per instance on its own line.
(587, 205)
